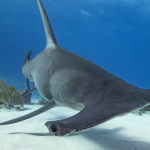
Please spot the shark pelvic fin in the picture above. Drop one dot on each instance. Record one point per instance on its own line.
(32, 114)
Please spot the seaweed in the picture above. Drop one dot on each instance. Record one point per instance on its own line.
(9, 95)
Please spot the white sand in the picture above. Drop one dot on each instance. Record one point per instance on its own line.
(130, 132)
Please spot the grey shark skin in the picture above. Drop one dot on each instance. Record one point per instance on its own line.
(69, 80)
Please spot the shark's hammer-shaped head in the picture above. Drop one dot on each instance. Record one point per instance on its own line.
(26, 70)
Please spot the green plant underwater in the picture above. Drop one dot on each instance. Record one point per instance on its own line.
(9, 95)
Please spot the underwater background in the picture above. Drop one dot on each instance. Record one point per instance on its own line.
(114, 34)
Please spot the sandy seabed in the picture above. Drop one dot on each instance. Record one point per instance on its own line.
(130, 132)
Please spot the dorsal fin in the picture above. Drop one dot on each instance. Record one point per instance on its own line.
(51, 41)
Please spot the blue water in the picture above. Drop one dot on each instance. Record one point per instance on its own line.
(114, 34)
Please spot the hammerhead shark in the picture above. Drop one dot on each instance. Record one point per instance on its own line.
(66, 79)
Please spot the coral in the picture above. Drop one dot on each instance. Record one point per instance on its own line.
(26, 95)
(9, 95)
(137, 112)
(144, 110)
